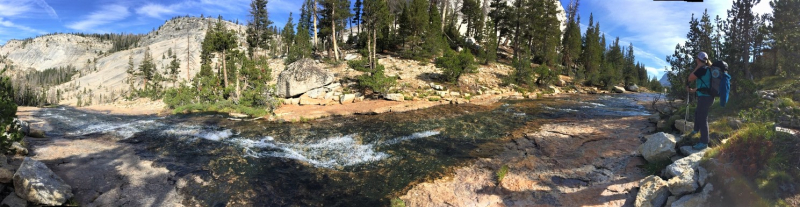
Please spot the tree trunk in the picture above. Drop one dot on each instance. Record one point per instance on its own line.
(224, 70)
(315, 24)
(369, 48)
(444, 12)
(333, 33)
(374, 47)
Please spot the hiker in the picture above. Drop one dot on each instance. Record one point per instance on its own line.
(704, 100)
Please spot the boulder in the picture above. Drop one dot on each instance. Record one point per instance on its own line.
(618, 89)
(38, 184)
(685, 164)
(317, 93)
(554, 89)
(302, 76)
(697, 199)
(659, 146)
(394, 97)
(442, 93)
(683, 184)
(12, 200)
(633, 88)
(347, 98)
(591, 90)
(680, 124)
(6, 175)
(24, 127)
(19, 149)
(455, 94)
(653, 192)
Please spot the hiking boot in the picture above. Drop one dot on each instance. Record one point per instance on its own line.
(700, 146)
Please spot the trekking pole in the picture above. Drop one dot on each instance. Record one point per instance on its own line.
(686, 118)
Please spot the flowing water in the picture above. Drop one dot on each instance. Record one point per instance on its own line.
(362, 160)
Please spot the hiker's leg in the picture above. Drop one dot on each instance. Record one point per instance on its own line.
(697, 117)
(703, 106)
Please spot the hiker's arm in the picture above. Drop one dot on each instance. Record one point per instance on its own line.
(693, 77)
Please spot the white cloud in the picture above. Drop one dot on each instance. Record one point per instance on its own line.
(654, 72)
(47, 8)
(107, 14)
(156, 10)
(6, 23)
(13, 8)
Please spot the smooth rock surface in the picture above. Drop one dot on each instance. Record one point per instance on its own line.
(38, 184)
(702, 176)
(659, 146)
(302, 76)
(347, 98)
(653, 192)
(683, 184)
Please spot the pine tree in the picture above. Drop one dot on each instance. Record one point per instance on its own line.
(302, 46)
(376, 17)
(472, 16)
(287, 35)
(218, 39)
(357, 15)
(334, 14)
(592, 52)
(740, 34)
(147, 68)
(572, 40)
(786, 33)
(682, 60)
(174, 69)
(258, 33)
(500, 19)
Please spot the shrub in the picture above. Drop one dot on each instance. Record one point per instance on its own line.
(376, 81)
(502, 173)
(455, 64)
(8, 111)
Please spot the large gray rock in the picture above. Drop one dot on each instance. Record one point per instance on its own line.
(680, 124)
(659, 146)
(653, 192)
(347, 98)
(12, 200)
(697, 199)
(302, 76)
(633, 88)
(671, 200)
(394, 97)
(38, 184)
(683, 184)
(685, 164)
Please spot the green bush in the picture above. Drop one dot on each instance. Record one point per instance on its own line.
(376, 81)
(456, 64)
(8, 111)
(546, 75)
(502, 173)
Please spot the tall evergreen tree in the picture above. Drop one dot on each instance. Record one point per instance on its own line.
(334, 16)
(287, 35)
(147, 68)
(682, 61)
(571, 43)
(786, 33)
(258, 33)
(357, 15)
(472, 16)
(376, 17)
(592, 52)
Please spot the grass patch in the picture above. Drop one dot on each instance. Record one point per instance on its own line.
(655, 168)
(774, 82)
(397, 202)
(434, 99)
(502, 173)
(755, 163)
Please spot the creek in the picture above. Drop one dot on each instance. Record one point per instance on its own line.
(359, 160)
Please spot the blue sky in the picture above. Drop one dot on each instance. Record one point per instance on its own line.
(654, 27)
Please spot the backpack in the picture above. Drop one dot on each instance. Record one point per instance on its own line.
(720, 82)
